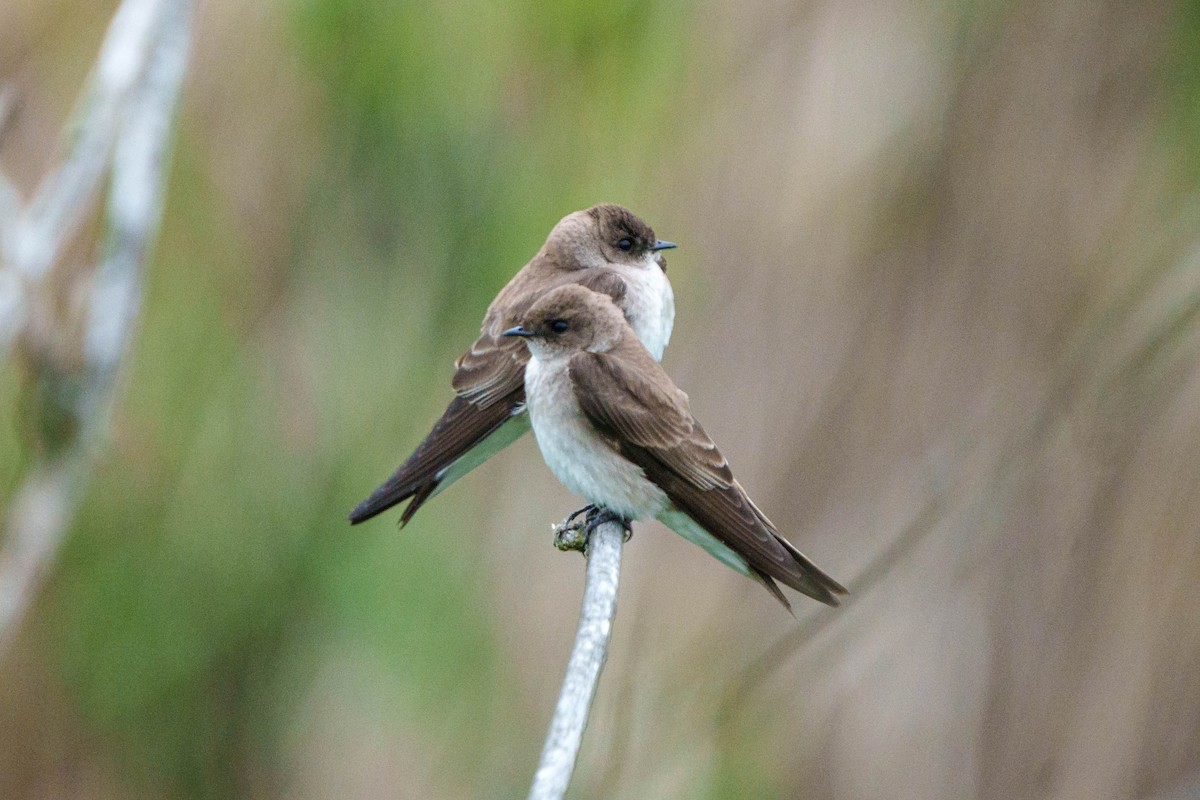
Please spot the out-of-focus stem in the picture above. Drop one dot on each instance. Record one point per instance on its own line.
(583, 669)
(125, 116)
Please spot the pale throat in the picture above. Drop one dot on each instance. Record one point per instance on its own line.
(543, 352)
(649, 303)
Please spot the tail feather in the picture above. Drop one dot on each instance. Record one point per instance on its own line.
(418, 499)
(817, 584)
(771, 586)
(802, 574)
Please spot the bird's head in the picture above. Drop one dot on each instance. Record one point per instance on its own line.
(569, 319)
(605, 235)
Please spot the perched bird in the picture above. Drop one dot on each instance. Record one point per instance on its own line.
(606, 248)
(613, 428)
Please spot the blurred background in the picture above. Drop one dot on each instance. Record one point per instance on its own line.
(938, 301)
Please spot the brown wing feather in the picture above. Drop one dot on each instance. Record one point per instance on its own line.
(495, 364)
(631, 400)
(489, 381)
(490, 370)
(605, 281)
(729, 514)
(462, 426)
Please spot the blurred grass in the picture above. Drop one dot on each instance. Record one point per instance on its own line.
(976, 291)
(1181, 101)
(468, 128)
(211, 571)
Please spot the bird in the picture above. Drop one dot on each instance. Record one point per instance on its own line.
(607, 248)
(614, 428)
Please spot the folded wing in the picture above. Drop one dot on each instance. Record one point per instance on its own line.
(633, 403)
(487, 413)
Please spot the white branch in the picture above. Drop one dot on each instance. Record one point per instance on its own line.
(126, 115)
(12, 310)
(134, 206)
(63, 198)
(40, 512)
(583, 669)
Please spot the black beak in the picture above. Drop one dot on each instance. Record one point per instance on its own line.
(663, 246)
(519, 331)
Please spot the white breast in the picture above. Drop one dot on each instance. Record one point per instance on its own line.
(574, 451)
(649, 304)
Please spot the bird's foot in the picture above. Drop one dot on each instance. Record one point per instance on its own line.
(571, 534)
(570, 537)
(586, 512)
(599, 516)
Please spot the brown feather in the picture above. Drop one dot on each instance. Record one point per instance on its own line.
(463, 425)
(490, 370)
(489, 379)
(631, 400)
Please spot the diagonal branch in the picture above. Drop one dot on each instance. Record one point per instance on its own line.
(125, 115)
(64, 196)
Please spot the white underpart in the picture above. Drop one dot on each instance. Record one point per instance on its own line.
(649, 303)
(574, 451)
(650, 309)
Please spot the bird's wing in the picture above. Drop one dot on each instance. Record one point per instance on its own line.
(493, 368)
(489, 384)
(495, 365)
(464, 427)
(486, 414)
(632, 402)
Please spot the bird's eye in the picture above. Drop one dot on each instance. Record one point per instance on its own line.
(559, 325)
(625, 244)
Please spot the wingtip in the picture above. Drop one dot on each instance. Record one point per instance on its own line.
(815, 590)
(362, 512)
(834, 588)
(373, 506)
(391, 493)
(822, 588)
(830, 599)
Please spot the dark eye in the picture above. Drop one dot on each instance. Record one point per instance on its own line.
(559, 325)
(625, 244)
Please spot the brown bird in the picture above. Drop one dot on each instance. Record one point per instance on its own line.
(613, 427)
(606, 248)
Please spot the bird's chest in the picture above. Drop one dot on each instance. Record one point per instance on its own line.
(649, 305)
(584, 462)
(563, 434)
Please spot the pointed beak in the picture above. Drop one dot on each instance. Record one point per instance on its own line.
(663, 246)
(518, 331)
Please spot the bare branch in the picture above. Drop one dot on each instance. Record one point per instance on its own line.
(12, 307)
(583, 669)
(64, 196)
(134, 205)
(40, 512)
(126, 115)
